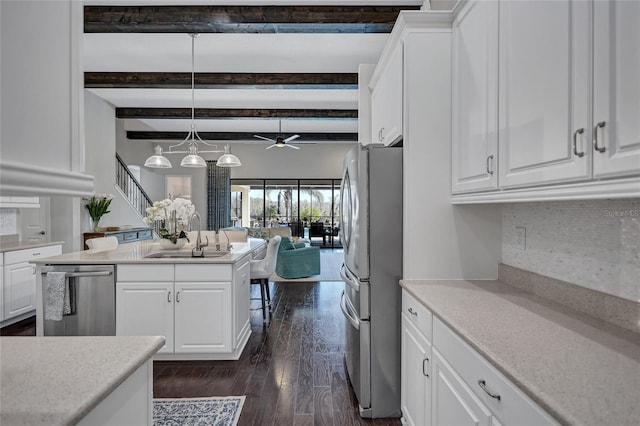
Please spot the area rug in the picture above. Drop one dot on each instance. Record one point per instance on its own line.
(330, 262)
(215, 411)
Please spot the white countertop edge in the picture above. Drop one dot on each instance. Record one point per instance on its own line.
(23, 245)
(157, 343)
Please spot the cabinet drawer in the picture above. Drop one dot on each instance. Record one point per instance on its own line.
(418, 314)
(144, 235)
(152, 273)
(26, 255)
(514, 407)
(201, 272)
(130, 236)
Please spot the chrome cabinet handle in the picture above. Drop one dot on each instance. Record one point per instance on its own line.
(412, 312)
(595, 137)
(489, 170)
(169, 297)
(36, 254)
(575, 142)
(178, 297)
(424, 372)
(382, 134)
(483, 386)
(33, 269)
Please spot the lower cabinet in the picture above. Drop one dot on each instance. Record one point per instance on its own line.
(453, 402)
(416, 375)
(18, 287)
(191, 305)
(446, 382)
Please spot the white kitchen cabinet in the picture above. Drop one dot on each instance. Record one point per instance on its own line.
(475, 97)
(19, 281)
(203, 317)
(616, 89)
(544, 116)
(146, 309)
(19, 289)
(416, 375)
(387, 97)
(194, 305)
(242, 289)
(453, 401)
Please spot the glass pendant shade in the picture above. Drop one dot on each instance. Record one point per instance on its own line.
(227, 159)
(158, 161)
(193, 159)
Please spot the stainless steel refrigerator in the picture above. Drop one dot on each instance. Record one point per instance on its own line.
(371, 234)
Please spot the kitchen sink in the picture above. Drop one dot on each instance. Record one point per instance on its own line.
(168, 254)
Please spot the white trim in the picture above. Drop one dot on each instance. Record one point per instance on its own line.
(595, 190)
(27, 179)
(409, 20)
(76, 82)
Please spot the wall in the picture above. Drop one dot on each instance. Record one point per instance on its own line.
(101, 162)
(310, 161)
(594, 244)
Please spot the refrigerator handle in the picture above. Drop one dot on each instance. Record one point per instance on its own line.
(345, 311)
(347, 278)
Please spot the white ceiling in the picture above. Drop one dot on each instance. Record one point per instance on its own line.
(136, 52)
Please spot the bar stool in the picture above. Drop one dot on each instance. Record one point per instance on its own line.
(102, 243)
(261, 271)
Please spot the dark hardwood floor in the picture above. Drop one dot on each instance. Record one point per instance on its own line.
(291, 370)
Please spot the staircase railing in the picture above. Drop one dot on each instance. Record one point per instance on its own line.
(134, 192)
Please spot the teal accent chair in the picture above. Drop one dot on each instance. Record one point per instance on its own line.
(297, 260)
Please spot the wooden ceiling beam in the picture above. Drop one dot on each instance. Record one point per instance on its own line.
(224, 113)
(176, 80)
(242, 136)
(242, 19)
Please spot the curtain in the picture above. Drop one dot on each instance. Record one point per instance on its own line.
(218, 196)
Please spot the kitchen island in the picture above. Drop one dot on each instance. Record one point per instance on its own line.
(76, 380)
(199, 304)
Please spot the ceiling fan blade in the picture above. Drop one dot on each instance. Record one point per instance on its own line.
(263, 138)
(270, 146)
(292, 138)
(291, 146)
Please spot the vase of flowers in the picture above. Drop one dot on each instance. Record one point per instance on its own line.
(174, 217)
(98, 206)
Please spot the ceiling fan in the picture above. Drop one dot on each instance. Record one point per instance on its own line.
(279, 141)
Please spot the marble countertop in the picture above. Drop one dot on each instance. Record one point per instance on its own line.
(582, 370)
(59, 380)
(135, 253)
(21, 245)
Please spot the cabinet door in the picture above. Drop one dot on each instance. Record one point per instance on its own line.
(19, 292)
(453, 402)
(203, 317)
(416, 371)
(544, 63)
(475, 98)
(145, 309)
(1, 292)
(616, 91)
(242, 288)
(386, 100)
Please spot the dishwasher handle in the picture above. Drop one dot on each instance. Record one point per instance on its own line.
(86, 274)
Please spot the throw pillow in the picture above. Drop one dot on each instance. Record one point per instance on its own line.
(286, 244)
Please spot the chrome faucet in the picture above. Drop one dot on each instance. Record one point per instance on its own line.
(199, 244)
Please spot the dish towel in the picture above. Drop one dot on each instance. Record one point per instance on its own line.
(57, 297)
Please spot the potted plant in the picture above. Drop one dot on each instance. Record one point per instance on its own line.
(174, 216)
(98, 206)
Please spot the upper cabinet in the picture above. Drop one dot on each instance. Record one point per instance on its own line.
(386, 98)
(616, 88)
(475, 97)
(42, 99)
(567, 101)
(544, 92)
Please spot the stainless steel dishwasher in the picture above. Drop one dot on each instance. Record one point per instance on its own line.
(92, 298)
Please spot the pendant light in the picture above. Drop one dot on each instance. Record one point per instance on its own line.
(193, 158)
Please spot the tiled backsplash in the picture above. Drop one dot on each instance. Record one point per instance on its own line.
(594, 244)
(8, 221)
